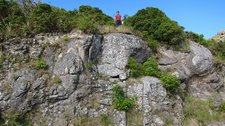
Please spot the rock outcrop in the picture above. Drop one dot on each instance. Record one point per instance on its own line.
(68, 91)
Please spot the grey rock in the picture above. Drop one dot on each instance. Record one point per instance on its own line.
(70, 63)
(167, 57)
(119, 118)
(116, 50)
(106, 101)
(123, 76)
(202, 58)
(186, 64)
(39, 83)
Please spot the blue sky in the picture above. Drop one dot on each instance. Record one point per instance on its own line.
(205, 17)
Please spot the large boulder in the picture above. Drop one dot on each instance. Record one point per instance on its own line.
(201, 60)
(116, 50)
(184, 65)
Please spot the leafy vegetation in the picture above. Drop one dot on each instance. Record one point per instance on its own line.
(222, 107)
(150, 68)
(1, 61)
(30, 18)
(57, 80)
(14, 118)
(202, 113)
(155, 25)
(120, 102)
(40, 64)
(170, 82)
(90, 65)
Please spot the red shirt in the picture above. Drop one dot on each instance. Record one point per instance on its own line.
(118, 17)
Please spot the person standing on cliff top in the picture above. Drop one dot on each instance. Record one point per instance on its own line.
(118, 19)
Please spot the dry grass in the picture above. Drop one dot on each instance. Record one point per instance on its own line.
(112, 29)
(7, 87)
(202, 114)
(135, 118)
(101, 120)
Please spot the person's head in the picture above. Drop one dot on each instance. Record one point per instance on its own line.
(117, 12)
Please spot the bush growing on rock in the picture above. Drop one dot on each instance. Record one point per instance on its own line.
(222, 107)
(170, 82)
(41, 64)
(136, 69)
(12, 117)
(150, 68)
(120, 102)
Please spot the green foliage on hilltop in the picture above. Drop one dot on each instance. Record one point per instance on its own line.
(30, 18)
(90, 18)
(154, 24)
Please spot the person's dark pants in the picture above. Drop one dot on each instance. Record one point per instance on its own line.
(118, 22)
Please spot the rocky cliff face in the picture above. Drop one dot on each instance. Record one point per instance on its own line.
(68, 90)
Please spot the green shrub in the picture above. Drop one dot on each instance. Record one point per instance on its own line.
(148, 68)
(66, 38)
(153, 44)
(57, 80)
(136, 69)
(222, 107)
(1, 61)
(90, 18)
(120, 102)
(41, 64)
(90, 65)
(170, 82)
(154, 24)
(87, 24)
(14, 118)
(18, 19)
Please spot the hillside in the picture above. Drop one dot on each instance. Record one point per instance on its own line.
(220, 36)
(147, 72)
